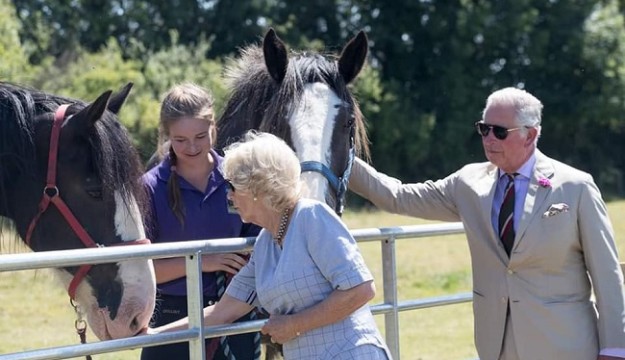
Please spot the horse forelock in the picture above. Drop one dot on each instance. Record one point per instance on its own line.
(116, 159)
(309, 68)
(250, 90)
(118, 163)
(17, 109)
(257, 102)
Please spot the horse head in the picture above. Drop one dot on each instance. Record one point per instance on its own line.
(304, 99)
(75, 185)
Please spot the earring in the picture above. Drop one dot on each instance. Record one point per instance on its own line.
(255, 198)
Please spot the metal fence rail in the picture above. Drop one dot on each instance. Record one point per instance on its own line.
(390, 308)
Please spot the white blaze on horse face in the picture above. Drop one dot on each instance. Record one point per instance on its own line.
(128, 223)
(137, 275)
(312, 125)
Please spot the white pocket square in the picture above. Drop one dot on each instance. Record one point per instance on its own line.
(556, 209)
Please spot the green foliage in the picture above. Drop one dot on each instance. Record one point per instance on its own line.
(86, 75)
(89, 74)
(179, 63)
(14, 65)
(601, 117)
(432, 65)
(90, 23)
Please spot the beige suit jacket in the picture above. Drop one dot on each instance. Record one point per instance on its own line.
(556, 255)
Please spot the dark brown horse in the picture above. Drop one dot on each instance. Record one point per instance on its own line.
(69, 179)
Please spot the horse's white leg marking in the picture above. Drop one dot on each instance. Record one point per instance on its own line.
(312, 124)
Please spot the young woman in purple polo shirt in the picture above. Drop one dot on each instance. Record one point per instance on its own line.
(188, 202)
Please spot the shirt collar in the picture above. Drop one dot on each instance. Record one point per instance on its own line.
(164, 168)
(525, 170)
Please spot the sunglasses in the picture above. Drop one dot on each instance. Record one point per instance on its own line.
(229, 185)
(500, 132)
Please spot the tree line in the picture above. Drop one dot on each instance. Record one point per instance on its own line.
(432, 64)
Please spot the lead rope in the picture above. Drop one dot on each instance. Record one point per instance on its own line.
(254, 316)
(223, 341)
(80, 324)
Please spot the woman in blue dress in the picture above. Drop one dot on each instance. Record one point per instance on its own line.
(306, 269)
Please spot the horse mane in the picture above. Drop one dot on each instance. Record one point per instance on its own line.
(118, 163)
(259, 101)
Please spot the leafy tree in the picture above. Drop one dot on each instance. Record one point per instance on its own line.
(601, 122)
(153, 73)
(432, 64)
(14, 65)
(90, 23)
(429, 62)
(89, 74)
(439, 60)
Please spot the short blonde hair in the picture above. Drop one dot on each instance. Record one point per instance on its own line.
(266, 167)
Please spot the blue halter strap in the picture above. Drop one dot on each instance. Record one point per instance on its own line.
(337, 183)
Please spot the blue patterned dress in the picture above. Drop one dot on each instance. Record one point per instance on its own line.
(318, 257)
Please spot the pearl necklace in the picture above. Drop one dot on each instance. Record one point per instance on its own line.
(284, 220)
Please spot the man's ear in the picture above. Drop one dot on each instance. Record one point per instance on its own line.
(532, 134)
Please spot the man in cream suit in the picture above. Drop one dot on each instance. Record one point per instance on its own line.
(531, 293)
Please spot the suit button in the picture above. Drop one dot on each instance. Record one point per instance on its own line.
(503, 299)
(510, 272)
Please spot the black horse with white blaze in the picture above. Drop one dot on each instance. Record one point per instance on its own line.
(304, 99)
(69, 179)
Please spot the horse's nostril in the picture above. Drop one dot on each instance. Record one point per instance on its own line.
(134, 324)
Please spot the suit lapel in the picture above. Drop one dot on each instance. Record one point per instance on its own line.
(536, 194)
(485, 189)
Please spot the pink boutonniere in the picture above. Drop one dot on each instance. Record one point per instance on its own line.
(544, 182)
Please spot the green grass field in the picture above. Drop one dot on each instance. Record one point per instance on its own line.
(35, 312)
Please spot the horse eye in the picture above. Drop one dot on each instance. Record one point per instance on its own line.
(93, 188)
(96, 194)
(350, 122)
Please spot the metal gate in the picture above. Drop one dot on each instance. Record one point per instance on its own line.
(192, 250)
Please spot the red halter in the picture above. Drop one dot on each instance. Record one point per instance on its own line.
(51, 195)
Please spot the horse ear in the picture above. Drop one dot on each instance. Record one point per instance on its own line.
(85, 118)
(276, 58)
(118, 99)
(353, 57)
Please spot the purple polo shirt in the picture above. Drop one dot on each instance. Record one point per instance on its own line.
(206, 217)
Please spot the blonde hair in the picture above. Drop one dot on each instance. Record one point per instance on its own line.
(186, 100)
(266, 167)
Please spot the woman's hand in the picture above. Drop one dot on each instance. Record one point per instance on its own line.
(230, 263)
(337, 306)
(280, 328)
(147, 331)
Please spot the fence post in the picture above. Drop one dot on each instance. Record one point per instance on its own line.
(195, 304)
(389, 278)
